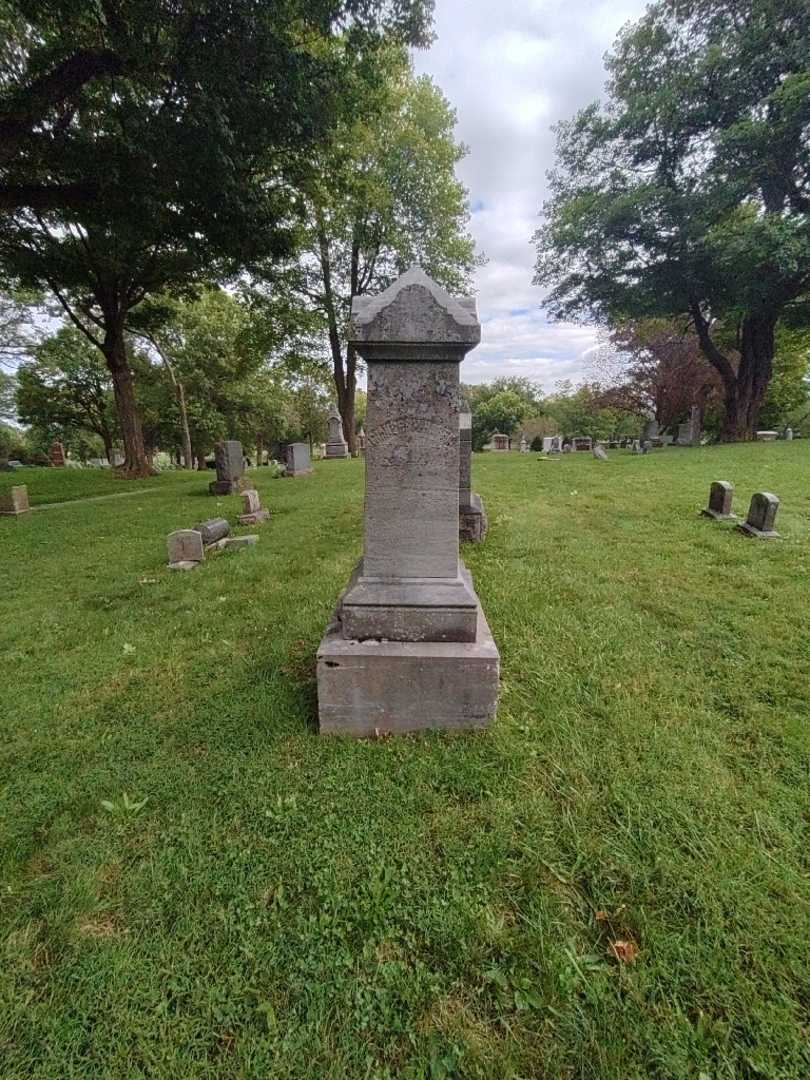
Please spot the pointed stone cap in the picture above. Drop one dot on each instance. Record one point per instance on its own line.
(414, 319)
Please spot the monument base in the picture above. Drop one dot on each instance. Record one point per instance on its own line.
(760, 534)
(224, 487)
(472, 521)
(368, 688)
(256, 518)
(337, 450)
(708, 512)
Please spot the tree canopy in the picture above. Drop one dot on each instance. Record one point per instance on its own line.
(145, 145)
(690, 191)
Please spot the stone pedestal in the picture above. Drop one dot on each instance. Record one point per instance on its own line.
(761, 517)
(472, 518)
(409, 647)
(230, 467)
(721, 494)
(14, 501)
(336, 445)
(252, 511)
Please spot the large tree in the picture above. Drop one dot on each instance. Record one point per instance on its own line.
(147, 142)
(690, 191)
(383, 196)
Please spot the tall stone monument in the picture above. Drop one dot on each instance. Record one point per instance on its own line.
(336, 445)
(409, 647)
(472, 519)
(56, 455)
(230, 467)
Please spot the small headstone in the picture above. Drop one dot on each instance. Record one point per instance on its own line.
(297, 459)
(14, 501)
(212, 530)
(761, 516)
(252, 512)
(361, 440)
(336, 445)
(500, 442)
(650, 430)
(789, 434)
(14, 464)
(599, 453)
(230, 466)
(721, 494)
(553, 444)
(472, 518)
(567, 448)
(186, 549)
(767, 436)
(56, 455)
(524, 446)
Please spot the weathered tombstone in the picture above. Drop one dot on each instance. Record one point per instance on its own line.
(524, 446)
(582, 442)
(767, 436)
(56, 455)
(410, 648)
(650, 430)
(361, 440)
(252, 512)
(212, 530)
(689, 434)
(472, 518)
(336, 446)
(721, 494)
(761, 516)
(14, 501)
(599, 453)
(555, 444)
(500, 442)
(186, 549)
(230, 466)
(789, 434)
(297, 461)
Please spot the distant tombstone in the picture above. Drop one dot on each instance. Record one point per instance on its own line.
(567, 448)
(524, 446)
(56, 455)
(13, 465)
(650, 430)
(472, 518)
(500, 442)
(14, 501)
(689, 433)
(767, 436)
(599, 453)
(118, 459)
(361, 440)
(230, 466)
(554, 444)
(252, 512)
(721, 494)
(761, 516)
(582, 442)
(186, 549)
(789, 434)
(336, 445)
(297, 460)
(213, 530)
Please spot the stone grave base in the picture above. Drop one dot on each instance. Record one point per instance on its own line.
(225, 487)
(472, 521)
(368, 688)
(708, 512)
(337, 450)
(256, 518)
(760, 534)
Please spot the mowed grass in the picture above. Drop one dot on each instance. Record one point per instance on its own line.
(46, 486)
(194, 884)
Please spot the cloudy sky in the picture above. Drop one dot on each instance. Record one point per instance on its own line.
(511, 70)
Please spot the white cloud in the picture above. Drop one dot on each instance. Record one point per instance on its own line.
(512, 70)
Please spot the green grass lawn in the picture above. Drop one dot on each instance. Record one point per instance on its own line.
(194, 884)
(66, 485)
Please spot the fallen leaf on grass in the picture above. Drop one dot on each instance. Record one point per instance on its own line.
(601, 916)
(623, 951)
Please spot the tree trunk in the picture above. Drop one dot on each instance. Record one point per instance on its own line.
(259, 450)
(745, 393)
(346, 400)
(135, 464)
(188, 456)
